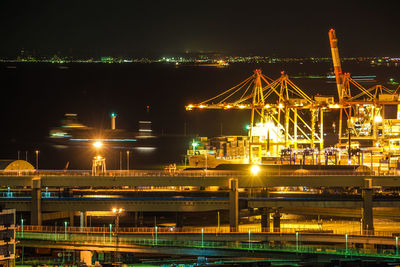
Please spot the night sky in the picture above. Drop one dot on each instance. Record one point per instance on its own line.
(161, 28)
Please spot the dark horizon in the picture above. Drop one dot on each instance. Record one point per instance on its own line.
(159, 28)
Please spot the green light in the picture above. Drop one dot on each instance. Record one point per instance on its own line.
(113, 114)
(195, 144)
(247, 127)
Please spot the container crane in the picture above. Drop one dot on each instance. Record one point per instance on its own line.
(279, 114)
(367, 112)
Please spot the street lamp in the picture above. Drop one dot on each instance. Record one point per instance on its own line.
(22, 227)
(255, 169)
(37, 159)
(98, 144)
(99, 162)
(202, 237)
(249, 239)
(65, 230)
(110, 231)
(127, 160)
(117, 212)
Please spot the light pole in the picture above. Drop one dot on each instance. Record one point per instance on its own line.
(37, 159)
(22, 227)
(397, 245)
(110, 231)
(346, 242)
(65, 230)
(104, 233)
(249, 239)
(156, 234)
(218, 221)
(99, 162)
(127, 160)
(120, 162)
(117, 213)
(22, 235)
(297, 241)
(202, 237)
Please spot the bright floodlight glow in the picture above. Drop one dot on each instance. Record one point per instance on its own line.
(97, 144)
(378, 118)
(119, 210)
(255, 169)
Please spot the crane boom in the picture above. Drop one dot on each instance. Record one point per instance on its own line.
(336, 63)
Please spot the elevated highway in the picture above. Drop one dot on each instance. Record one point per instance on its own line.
(223, 244)
(185, 204)
(226, 180)
(70, 179)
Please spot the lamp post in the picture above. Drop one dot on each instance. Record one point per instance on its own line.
(37, 159)
(99, 162)
(65, 230)
(218, 222)
(110, 226)
(104, 233)
(202, 237)
(117, 213)
(249, 239)
(127, 160)
(397, 245)
(156, 228)
(297, 241)
(22, 227)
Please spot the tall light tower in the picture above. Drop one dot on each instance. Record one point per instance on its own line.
(99, 162)
(113, 116)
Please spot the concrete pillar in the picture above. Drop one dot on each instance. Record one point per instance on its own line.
(265, 212)
(277, 221)
(36, 209)
(234, 205)
(86, 257)
(265, 219)
(83, 219)
(367, 216)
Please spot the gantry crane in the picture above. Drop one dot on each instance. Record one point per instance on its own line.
(365, 112)
(279, 113)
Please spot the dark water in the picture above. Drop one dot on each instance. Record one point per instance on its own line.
(36, 96)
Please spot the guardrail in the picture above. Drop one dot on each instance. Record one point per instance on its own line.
(115, 241)
(199, 230)
(182, 173)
